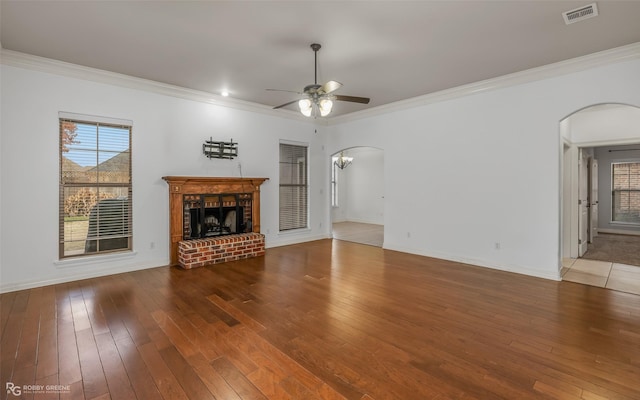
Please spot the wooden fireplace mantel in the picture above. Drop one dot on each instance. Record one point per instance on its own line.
(181, 185)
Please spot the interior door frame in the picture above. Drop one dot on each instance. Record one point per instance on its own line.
(593, 197)
(569, 154)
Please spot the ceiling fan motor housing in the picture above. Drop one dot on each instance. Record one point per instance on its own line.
(312, 88)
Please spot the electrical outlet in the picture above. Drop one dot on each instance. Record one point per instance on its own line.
(497, 245)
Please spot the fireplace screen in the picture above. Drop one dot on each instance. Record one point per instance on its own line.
(207, 215)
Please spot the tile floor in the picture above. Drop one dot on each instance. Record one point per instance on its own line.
(621, 277)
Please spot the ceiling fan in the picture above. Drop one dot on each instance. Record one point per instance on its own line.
(319, 98)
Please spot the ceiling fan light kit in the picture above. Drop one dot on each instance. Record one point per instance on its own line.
(305, 107)
(319, 98)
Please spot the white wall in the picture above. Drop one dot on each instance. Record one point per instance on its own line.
(483, 171)
(167, 140)
(361, 188)
(462, 176)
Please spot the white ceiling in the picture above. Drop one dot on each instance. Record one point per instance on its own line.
(385, 50)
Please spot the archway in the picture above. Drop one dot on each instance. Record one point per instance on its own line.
(597, 142)
(357, 195)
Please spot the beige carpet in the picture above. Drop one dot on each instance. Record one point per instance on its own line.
(622, 249)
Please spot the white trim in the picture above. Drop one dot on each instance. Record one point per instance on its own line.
(615, 55)
(95, 118)
(519, 269)
(619, 232)
(295, 240)
(611, 56)
(84, 274)
(606, 143)
(47, 65)
(362, 221)
(294, 143)
(93, 259)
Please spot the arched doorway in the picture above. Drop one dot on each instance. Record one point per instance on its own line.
(600, 207)
(357, 195)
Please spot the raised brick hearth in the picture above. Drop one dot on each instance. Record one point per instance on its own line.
(200, 252)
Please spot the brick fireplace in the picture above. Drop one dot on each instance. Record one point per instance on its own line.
(213, 220)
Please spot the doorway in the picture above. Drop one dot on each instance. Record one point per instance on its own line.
(599, 244)
(357, 195)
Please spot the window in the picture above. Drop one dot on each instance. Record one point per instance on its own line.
(95, 187)
(293, 187)
(625, 192)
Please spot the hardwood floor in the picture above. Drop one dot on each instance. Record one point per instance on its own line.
(322, 320)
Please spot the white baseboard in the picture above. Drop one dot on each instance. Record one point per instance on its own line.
(361, 221)
(286, 241)
(554, 275)
(30, 284)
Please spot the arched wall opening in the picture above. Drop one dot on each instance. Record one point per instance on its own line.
(594, 140)
(357, 196)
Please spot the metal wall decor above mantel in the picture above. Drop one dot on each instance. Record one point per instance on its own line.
(226, 150)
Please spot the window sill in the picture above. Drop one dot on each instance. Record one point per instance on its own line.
(294, 232)
(91, 260)
(622, 223)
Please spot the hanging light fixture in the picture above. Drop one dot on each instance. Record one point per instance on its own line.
(343, 161)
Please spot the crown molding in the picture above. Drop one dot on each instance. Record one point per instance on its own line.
(47, 65)
(42, 64)
(606, 57)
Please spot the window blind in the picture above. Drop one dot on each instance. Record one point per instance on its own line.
(293, 187)
(95, 187)
(626, 192)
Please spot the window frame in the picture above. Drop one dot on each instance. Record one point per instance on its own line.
(123, 238)
(628, 190)
(301, 170)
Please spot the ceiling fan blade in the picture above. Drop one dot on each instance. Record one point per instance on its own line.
(285, 104)
(330, 86)
(353, 99)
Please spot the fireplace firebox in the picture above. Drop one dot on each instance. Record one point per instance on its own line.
(208, 215)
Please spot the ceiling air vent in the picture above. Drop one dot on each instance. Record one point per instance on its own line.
(580, 14)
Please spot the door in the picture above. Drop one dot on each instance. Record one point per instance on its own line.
(583, 202)
(593, 200)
